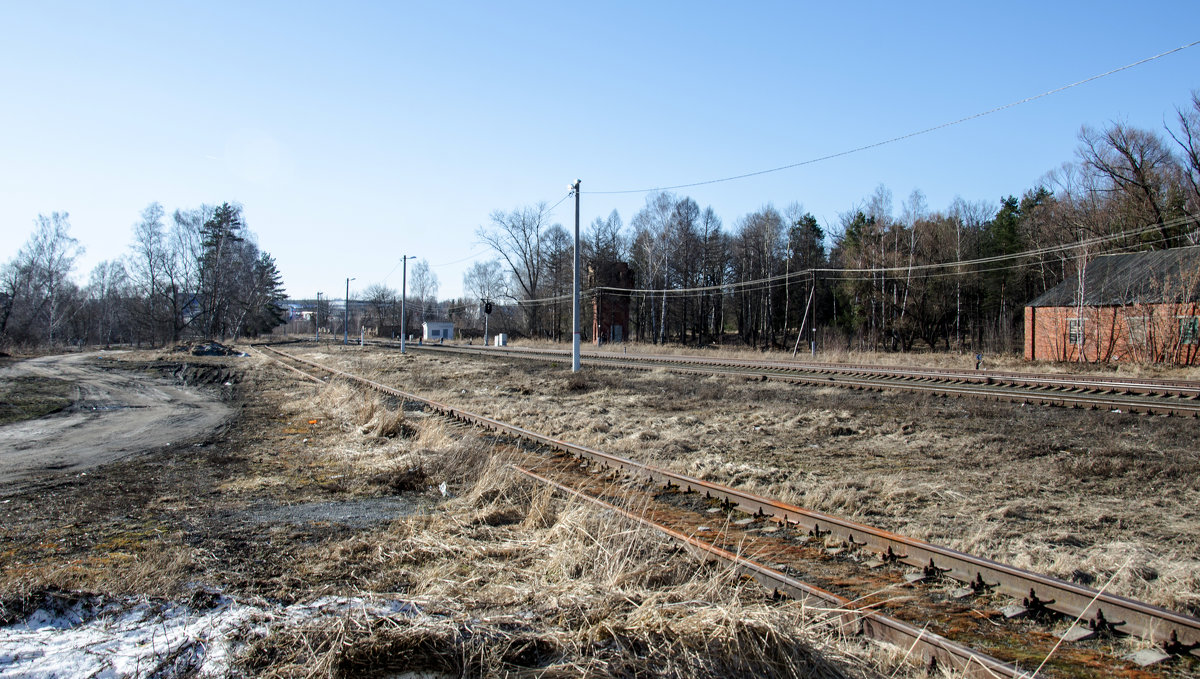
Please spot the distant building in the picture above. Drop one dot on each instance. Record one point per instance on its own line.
(1138, 307)
(437, 330)
(610, 308)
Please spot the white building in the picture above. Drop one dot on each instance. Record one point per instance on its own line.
(437, 330)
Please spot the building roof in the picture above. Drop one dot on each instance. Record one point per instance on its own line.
(1157, 277)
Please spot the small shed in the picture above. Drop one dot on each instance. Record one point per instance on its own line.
(1135, 307)
(437, 330)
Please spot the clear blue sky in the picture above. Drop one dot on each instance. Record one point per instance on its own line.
(354, 133)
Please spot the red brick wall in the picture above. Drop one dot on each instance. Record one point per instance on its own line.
(1136, 333)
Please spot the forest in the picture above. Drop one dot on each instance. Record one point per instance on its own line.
(200, 275)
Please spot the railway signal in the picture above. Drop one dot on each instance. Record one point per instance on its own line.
(487, 311)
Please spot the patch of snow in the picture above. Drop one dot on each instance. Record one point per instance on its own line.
(91, 638)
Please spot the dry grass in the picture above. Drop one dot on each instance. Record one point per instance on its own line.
(514, 582)
(127, 563)
(1060, 491)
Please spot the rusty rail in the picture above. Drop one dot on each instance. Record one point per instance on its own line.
(933, 648)
(1162, 626)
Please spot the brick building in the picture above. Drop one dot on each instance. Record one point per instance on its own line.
(610, 305)
(1137, 307)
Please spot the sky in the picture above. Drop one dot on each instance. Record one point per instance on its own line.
(355, 133)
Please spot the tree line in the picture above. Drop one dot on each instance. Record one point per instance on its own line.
(198, 273)
(878, 278)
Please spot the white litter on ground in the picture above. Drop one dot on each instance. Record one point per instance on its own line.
(90, 638)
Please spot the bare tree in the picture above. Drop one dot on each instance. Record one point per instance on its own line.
(151, 263)
(603, 242)
(558, 254)
(182, 280)
(423, 284)
(1188, 140)
(517, 237)
(651, 239)
(109, 297)
(37, 282)
(382, 301)
(1137, 167)
(485, 280)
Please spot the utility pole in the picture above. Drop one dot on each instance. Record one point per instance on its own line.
(317, 320)
(403, 295)
(575, 288)
(346, 316)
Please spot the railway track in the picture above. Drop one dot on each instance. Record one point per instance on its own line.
(1158, 397)
(977, 616)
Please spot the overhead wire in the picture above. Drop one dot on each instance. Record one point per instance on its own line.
(902, 137)
(800, 275)
(471, 256)
(1019, 265)
(926, 271)
(560, 202)
(840, 273)
(477, 255)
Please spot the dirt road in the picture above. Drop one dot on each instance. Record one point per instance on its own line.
(114, 414)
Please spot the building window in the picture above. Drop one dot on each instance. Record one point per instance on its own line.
(1189, 329)
(1137, 330)
(1075, 330)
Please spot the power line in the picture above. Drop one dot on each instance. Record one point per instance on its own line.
(935, 270)
(910, 134)
(840, 274)
(487, 248)
(560, 202)
(807, 275)
(474, 255)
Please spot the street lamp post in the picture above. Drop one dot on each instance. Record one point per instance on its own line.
(346, 315)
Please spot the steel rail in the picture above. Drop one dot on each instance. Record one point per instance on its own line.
(847, 616)
(1140, 619)
(838, 610)
(1183, 388)
(1021, 391)
(999, 393)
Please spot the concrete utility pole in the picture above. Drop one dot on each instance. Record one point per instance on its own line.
(403, 294)
(575, 288)
(317, 320)
(346, 316)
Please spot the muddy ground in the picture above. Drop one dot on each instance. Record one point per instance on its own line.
(101, 414)
(312, 490)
